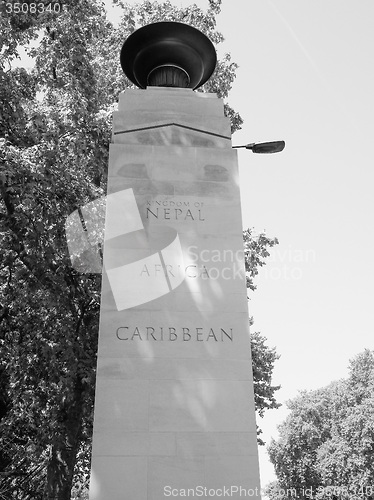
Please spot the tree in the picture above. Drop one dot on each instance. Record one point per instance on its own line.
(326, 444)
(49, 165)
(54, 137)
(263, 359)
(256, 250)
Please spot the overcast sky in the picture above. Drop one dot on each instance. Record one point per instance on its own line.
(306, 76)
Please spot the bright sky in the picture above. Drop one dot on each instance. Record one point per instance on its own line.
(306, 77)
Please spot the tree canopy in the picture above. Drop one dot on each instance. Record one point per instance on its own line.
(55, 131)
(326, 444)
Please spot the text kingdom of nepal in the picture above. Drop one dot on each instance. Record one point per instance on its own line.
(171, 334)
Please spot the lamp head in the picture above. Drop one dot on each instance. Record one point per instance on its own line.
(267, 147)
(264, 147)
(168, 54)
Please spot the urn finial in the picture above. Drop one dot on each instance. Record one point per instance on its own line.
(168, 54)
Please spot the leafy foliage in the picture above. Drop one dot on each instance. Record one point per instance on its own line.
(55, 131)
(327, 441)
(263, 359)
(256, 249)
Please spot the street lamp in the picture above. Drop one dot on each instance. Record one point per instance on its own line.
(264, 147)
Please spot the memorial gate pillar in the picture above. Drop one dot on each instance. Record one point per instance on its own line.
(174, 407)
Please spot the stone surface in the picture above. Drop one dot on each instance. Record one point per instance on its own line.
(174, 402)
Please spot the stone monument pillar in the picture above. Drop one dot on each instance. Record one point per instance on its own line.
(174, 408)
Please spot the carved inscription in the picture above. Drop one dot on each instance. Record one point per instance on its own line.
(190, 271)
(171, 334)
(175, 210)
